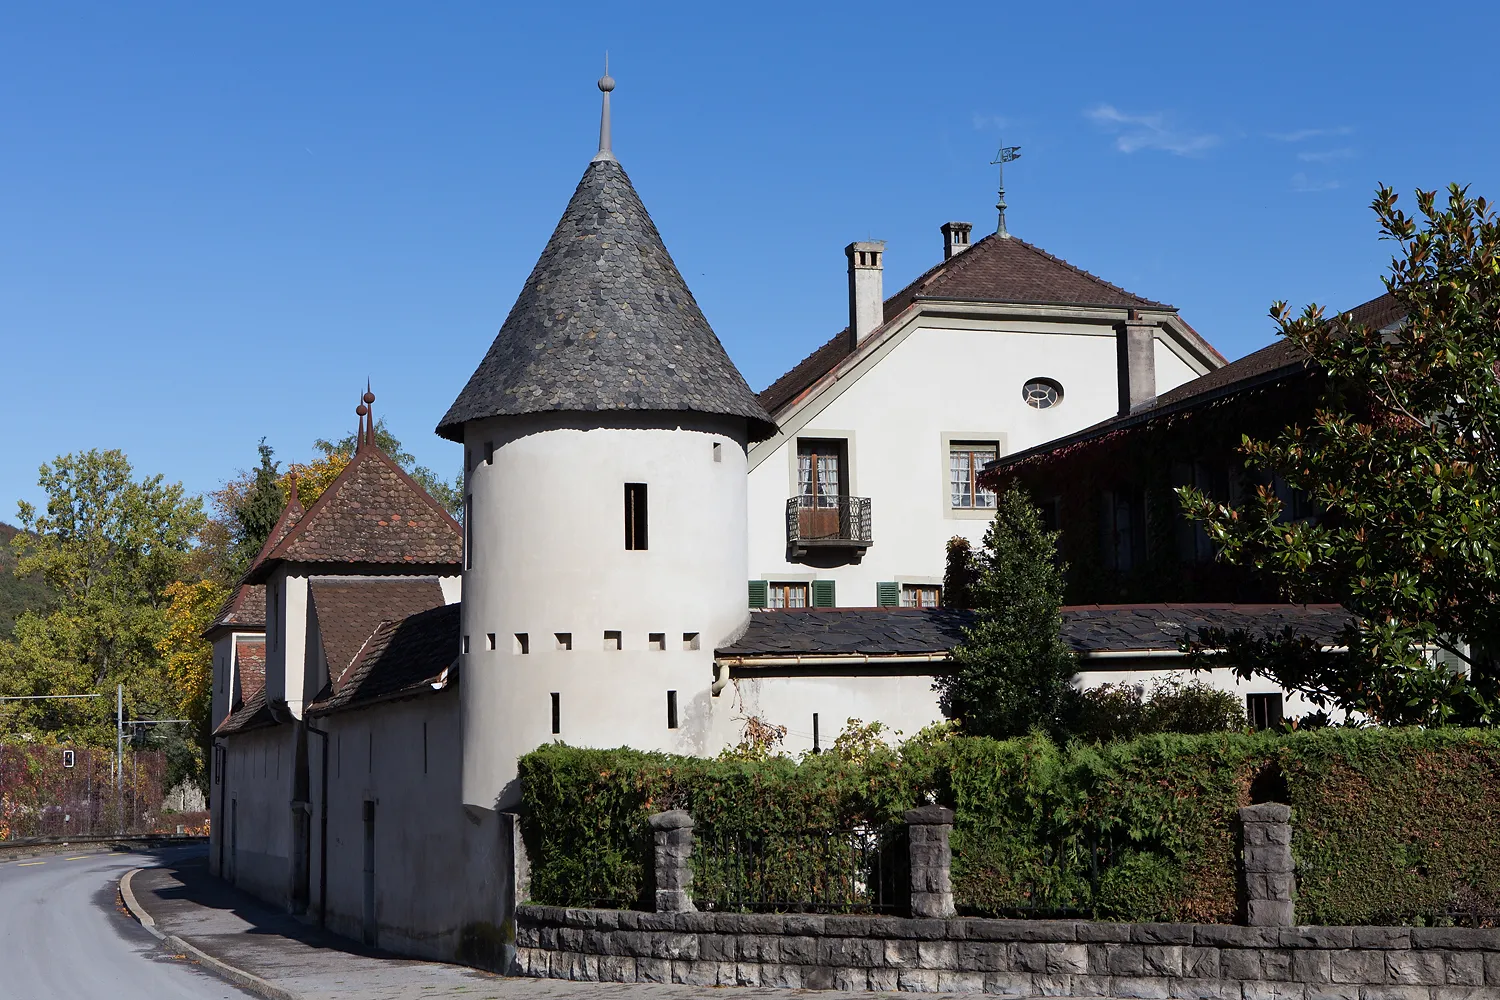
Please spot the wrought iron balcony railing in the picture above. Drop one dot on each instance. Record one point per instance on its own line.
(827, 522)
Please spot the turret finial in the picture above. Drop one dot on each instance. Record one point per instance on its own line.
(606, 84)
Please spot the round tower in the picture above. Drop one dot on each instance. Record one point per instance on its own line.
(605, 438)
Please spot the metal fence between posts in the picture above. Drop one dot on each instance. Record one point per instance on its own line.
(74, 792)
(857, 870)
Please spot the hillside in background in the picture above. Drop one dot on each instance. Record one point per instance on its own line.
(16, 595)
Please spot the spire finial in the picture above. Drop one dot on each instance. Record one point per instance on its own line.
(1006, 154)
(366, 406)
(606, 84)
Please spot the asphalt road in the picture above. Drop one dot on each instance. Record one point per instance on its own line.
(63, 937)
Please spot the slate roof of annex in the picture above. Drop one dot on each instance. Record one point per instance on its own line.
(373, 513)
(1086, 629)
(349, 611)
(605, 322)
(402, 658)
(995, 269)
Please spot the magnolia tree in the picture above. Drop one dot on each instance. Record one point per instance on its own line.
(1402, 461)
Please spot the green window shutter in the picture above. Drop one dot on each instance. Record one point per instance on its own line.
(822, 594)
(887, 595)
(759, 596)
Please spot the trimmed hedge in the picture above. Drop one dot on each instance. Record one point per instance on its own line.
(1391, 825)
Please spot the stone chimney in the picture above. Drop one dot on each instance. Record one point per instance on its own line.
(955, 238)
(866, 296)
(1135, 340)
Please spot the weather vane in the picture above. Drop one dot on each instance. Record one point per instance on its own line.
(1006, 154)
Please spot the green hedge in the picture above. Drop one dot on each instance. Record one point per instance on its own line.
(1391, 825)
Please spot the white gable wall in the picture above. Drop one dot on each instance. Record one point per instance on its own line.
(954, 379)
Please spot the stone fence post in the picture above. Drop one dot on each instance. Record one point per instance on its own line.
(931, 859)
(672, 832)
(1266, 864)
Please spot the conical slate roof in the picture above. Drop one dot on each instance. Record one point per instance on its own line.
(605, 322)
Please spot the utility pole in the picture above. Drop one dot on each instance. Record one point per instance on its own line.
(119, 756)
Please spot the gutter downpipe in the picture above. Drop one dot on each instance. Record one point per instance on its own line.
(322, 828)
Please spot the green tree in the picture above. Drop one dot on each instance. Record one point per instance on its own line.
(257, 513)
(959, 574)
(109, 545)
(1013, 673)
(1402, 461)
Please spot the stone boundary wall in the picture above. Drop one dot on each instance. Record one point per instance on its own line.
(1021, 958)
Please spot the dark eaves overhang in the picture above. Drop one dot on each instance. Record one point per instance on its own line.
(1146, 415)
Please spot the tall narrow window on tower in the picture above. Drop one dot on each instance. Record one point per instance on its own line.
(468, 531)
(635, 515)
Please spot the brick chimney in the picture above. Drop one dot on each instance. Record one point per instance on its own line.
(1135, 340)
(955, 238)
(866, 296)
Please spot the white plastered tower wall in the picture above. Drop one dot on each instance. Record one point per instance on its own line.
(549, 559)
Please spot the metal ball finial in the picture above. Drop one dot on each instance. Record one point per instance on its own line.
(369, 397)
(606, 83)
(361, 410)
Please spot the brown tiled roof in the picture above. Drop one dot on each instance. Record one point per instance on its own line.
(250, 663)
(245, 610)
(412, 656)
(994, 269)
(349, 610)
(252, 714)
(1123, 628)
(372, 514)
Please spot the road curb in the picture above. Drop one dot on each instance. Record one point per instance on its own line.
(239, 977)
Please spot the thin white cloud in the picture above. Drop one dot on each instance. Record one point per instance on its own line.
(1153, 130)
(1302, 184)
(1326, 155)
(1303, 134)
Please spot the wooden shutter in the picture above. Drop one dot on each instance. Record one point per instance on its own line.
(759, 596)
(887, 595)
(822, 594)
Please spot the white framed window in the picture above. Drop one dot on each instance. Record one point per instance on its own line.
(921, 595)
(966, 461)
(786, 595)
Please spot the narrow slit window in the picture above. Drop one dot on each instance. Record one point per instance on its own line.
(671, 709)
(656, 640)
(564, 640)
(523, 643)
(556, 713)
(466, 645)
(816, 747)
(489, 453)
(468, 531)
(690, 640)
(489, 639)
(635, 516)
(612, 639)
(718, 451)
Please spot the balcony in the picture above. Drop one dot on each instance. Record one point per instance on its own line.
(831, 525)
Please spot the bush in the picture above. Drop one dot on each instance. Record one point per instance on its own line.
(1391, 825)
(1126, 711)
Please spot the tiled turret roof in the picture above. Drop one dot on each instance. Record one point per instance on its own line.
(605, 322)
(373, 514)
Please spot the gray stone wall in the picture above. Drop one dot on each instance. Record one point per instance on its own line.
(1020, 958)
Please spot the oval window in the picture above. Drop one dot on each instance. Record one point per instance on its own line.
(1042, 393)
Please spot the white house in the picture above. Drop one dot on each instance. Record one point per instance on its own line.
(883, 430)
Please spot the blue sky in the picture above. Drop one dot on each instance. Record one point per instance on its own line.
(217, 220)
